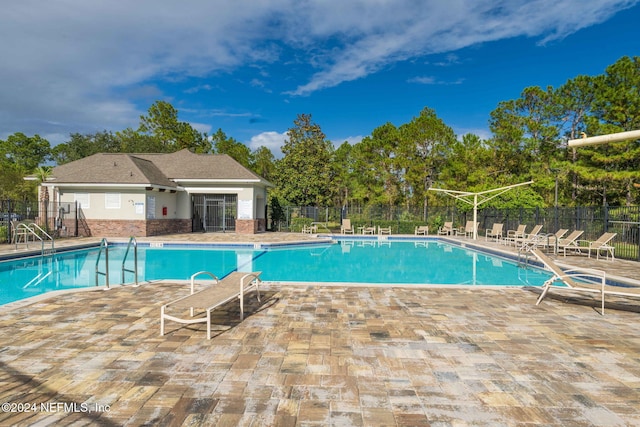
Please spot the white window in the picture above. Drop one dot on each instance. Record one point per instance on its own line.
(112, 200)
(82, 199)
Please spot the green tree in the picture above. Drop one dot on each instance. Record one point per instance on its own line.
(263, 163)
(342, 174)
(132, 141)
(378, 167)
(80, 146)
(24, 151)
(609, 171)
(527, 138)
(468, 166)
(227, 145)
(162, 123)
(425, 144)
(303, 174)
(575, 99)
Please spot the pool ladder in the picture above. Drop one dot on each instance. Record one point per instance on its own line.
(104, 248)
(134, 243)
(22, 232)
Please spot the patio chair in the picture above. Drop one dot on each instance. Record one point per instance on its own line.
(469, 229)
(546, 241)
(446, 229)
(384, 230)
(232, 286)
(602, 244)
(495, 232)
(346, 227)
(369, 230)
(421, 230)
(310, 229)
(570, 243)
(589, 280)
(529, 239)
(513, 235)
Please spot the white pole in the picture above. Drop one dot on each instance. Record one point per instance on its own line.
(603, 139)
(475, 216)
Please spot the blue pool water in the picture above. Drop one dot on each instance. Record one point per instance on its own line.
(348, 261)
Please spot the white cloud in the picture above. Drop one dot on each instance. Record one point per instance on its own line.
(201, 127)
(423, 80)
(483, 133)
(429, 80)
(352, 140)
(400, 30)
(271, 140)
(85, 66)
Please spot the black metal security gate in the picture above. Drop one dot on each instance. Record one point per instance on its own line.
(214, 212)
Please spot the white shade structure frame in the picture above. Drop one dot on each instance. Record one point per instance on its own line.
(478, 198)
(603, 139)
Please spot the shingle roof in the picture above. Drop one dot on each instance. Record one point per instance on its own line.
(151, 169)
(184, 164)
(111, 168)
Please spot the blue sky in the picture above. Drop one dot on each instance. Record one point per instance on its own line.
(249, 67)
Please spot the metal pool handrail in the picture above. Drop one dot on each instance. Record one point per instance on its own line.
(104, 245)
(132, 241)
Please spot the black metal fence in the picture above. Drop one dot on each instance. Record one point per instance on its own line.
(594, 221)
(57, 219)
(66, 220)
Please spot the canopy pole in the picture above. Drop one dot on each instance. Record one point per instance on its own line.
(603, 139)
(460, 195)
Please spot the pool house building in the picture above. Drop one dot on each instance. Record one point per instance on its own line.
(120, 194)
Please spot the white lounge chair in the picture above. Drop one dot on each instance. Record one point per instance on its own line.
(369, 230)
(529, 239)
(570, 243)
(346, 227)
(384, 230)
(589, 280)
(602, 244)
(446, 229)
(310, 229)
(513, 235)
(495, 232)
(234, 285)
(548, 241)
(421, 230)
(469, 229)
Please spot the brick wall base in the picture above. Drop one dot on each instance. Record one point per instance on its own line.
(251, 226)
(136, 228)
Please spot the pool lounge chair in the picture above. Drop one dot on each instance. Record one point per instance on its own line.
(310, 229)
(447, 228)
(469, 229)
(529, 239)
(513, 235)
(590, 280)
(234, 285)
(570, 243)
(346, 227)
(369, 230)
(602, 244)
(421, 230)
(548, 241)
(495, 232)
(384, 230)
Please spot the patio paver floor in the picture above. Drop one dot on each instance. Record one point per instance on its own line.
(325, 355)
(316, 356)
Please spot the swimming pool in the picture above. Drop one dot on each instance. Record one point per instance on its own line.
(348, 261)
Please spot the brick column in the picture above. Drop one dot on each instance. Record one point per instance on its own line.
(246, 226)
